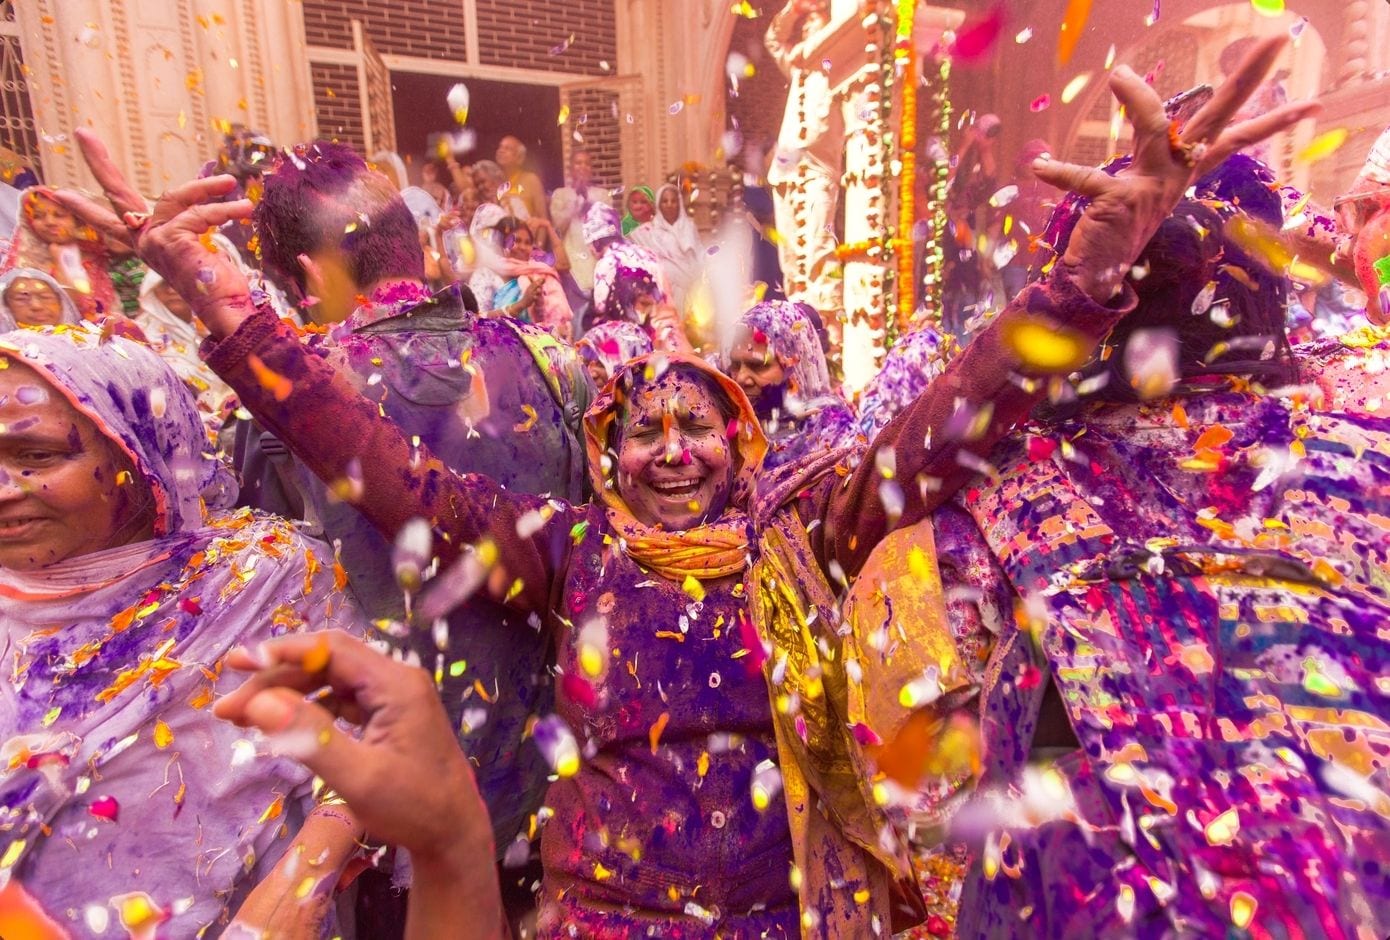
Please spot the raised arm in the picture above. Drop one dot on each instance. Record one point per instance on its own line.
(299, 397)
(344, 441)
(403, 775)
(945, 437)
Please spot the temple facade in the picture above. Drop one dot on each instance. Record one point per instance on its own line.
(160, 79)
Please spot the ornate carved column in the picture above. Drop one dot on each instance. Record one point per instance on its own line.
(1356, 42)
(159, 78)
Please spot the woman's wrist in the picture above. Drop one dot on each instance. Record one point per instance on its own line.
(1101, 286)
(222, 315)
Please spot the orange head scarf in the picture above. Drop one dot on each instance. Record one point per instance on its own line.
(717, 548)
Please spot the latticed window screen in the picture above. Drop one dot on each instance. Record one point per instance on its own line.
(18, 129)
(379, 106)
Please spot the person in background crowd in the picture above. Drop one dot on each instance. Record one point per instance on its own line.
(517, 245)
(1352, 370)
(488, 255)
(241, 155)
(608, 346)
(971, 285)
(766, 269)
(641, 208)
(49, 239)
(507, 282)
(168, 324)
(1363, 215)
(777, 358)
(628, 285)
(31, 298)
(671, 236)
(603, 228)
(914, 360)
(568, 207)
(547, 247)
(1025, 215)
(392, 169)
(431, 181)
(522, 185)
(124, 581)
(492, 186)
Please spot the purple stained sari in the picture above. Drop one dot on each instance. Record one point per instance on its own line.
(1209, 597)
(122, 799)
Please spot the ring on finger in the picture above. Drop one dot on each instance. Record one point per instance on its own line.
(1190, 154)
(136, 221)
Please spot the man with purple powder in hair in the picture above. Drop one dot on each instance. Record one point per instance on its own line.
(490, 396)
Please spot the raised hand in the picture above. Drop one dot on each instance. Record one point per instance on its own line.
(169, 238)
(404, 778)
(1127, 208)
(406, 743)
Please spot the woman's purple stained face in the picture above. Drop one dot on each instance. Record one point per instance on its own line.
(675, 466)
(65, 489)
(754, 367)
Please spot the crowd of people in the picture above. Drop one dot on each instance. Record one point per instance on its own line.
(380, 560)
(533, 256)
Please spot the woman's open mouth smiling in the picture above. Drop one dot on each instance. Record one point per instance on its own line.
(677, 489)
(19, 527)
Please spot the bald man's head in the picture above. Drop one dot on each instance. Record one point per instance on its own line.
(511, 153)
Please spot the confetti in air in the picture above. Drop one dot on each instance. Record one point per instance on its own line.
(1073, 22)
(976, 39)
(458, 99)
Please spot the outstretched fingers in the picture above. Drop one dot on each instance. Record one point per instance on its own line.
(1141, 103)
(113, 182)
(1208, 123)
(1073, 177)
(193, 193)
(1251, 132)
(198, 218)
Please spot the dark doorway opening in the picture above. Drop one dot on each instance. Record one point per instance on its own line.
(496, 109)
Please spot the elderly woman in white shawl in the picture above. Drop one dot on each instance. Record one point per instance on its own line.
(29, 297)
(671, 235)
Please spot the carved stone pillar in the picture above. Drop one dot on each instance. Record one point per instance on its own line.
(1356, 42)
(158, 79)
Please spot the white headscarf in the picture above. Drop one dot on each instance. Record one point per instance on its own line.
(676, 244)
(176, 341)
(8, 320)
